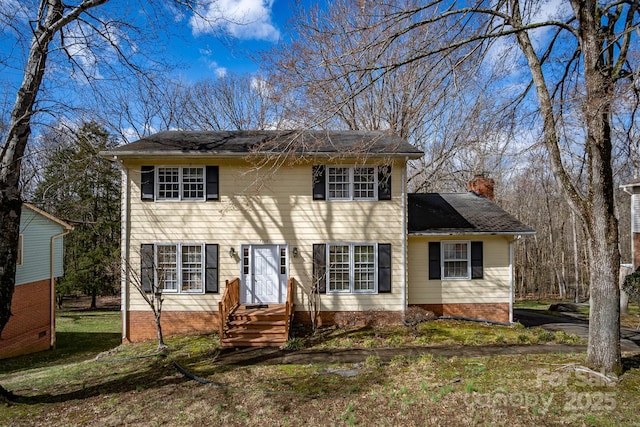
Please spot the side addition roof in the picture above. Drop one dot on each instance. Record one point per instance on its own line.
(460, 213)
(48, 216)
(241, 143)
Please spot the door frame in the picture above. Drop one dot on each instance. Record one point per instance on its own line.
(247, 295)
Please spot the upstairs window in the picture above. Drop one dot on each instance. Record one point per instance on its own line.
(162, 183)
(351, 182)
(176, 183)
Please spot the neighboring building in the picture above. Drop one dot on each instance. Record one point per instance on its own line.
(325, 209)
(31, 327)
(633, 189)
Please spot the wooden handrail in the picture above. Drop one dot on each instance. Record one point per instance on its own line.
(229, 301)
(289, 305)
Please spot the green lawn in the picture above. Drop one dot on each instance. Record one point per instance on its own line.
(79, 335)
(92, 380)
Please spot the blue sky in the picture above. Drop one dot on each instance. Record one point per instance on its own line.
(248, 26)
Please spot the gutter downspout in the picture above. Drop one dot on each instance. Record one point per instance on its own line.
(52, 285)
(124, 248)
(404, 238)
(511, 277)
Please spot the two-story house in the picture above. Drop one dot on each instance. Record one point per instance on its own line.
(258, 221)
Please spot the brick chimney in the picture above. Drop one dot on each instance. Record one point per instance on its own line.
(482, 186)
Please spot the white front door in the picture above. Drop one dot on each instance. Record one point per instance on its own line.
(264, 282)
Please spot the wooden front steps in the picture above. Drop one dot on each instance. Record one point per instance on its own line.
(256, 326)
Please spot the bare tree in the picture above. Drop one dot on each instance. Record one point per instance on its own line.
(93, 48)
(335, 76)
(577, 57)
(149, 281)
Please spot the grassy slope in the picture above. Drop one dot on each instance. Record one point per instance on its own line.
(129, 385)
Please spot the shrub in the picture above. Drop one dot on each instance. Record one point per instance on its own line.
(415, 315)
(373, 362)
(296, 343)
(544, 336)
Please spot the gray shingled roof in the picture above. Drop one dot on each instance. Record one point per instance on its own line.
(233, 143)
(460, 213)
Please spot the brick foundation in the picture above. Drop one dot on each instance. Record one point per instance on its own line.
(29, 329)
(495, 312)
(142, 327)
(350, 318)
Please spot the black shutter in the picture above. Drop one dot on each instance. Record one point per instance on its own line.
(318, 177)
(211, 268)
(384, 267)
(384, 182)
(212, 187)
(476, 260)
(147, 178)
(320, 267)
(434, 261)
(146, 267)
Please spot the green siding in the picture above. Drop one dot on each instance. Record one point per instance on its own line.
(37, 231)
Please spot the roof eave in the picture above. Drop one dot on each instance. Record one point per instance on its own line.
(158, 154)
(47, 215)
(472, 233)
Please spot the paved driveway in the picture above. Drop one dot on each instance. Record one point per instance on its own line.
(572, 324)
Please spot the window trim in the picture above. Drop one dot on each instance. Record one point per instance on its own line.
(179, 268)
(20, 254)
(351, 290)
(351, 182)
(180, 198)
(443, 260)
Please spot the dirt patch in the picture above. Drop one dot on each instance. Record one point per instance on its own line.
(83, 302)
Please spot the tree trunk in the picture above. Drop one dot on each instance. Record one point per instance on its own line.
(596, 207)
(161, 344)
(11, 158)
(603, 351)
(10, 207)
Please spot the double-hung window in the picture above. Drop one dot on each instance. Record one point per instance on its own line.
(180, 268)
(351, 268)
(456, 260)
(180, 183)
(352, 183)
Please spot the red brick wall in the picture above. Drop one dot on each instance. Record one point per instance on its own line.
(142, 327)
(28, 330)
(495, 312)
(350, 318)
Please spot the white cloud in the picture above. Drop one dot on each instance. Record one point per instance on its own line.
(220, 72)
(242, 19)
